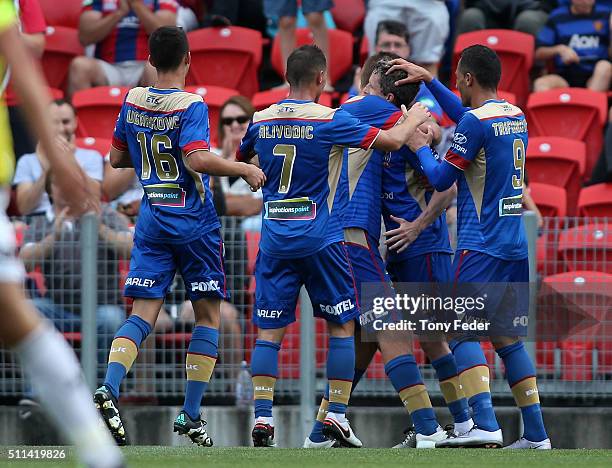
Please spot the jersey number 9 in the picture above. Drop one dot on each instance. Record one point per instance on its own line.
(165, 164)
(518, 150)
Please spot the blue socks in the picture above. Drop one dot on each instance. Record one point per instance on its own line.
(446, 370)
(200, 363)
(405, 376)
(521, 377)
(264, 366)
(474, 378)
(124, 350)
(340, 372)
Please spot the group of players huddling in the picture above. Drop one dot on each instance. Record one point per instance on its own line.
(323, 172)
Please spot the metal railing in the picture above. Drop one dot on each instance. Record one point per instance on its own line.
(78, 286)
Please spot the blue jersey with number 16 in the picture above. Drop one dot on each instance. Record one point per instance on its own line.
(160, 128)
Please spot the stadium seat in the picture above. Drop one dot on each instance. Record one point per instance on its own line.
(101, 145)
(61, 46)
(56, 93)
(566, 156)
(587, 247)
(550, 200)
(364, 50)
(264, 99)
(575, 113)
(596, 201)
(348, 14)
(61, 13)
(97, 110)
(340, 52)
(576, 360)
(515, 50)
(545, 357)
(214, 97)
(228, 57)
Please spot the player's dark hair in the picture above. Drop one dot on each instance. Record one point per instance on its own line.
(64, 102)
(403, 94)
(370, 63)
(393, 27)
(482, 63)
(168, 46)
(304, 64)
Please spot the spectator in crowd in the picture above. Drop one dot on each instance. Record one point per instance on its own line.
(53, 244)
(245, 13)
(527, 16)
(32, 171)
(577, 37)
(32, 27)
(427, 22)
(234, 118)
(120, 30)
(285, 11)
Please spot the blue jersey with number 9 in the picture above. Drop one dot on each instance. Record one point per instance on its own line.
(300, 145)
(160, 128)
(489, 148)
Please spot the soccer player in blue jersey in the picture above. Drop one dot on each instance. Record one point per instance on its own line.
(362, 223)
(487, 161)
(299, 144)
(162, 131)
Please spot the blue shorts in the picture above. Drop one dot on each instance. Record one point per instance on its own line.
(432, 267)
(368, 265)
(478, 267)
(327, 276)
(282, 8)
(503, 285)
(200, 262)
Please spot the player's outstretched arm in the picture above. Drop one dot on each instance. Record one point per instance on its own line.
(209, 163)
(394, 138)
(448, 100)
(31, 89)
(120, 159)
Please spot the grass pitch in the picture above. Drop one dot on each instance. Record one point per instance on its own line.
(169, 457)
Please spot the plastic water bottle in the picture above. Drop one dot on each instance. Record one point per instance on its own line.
(244, 387)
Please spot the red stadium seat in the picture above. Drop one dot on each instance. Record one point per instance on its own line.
(587, 247)
(228, 57)
(348, 14)
(214, 97)
(364, 50)
(264, 99)
(568, 159)
(97, 110)
(550, 200)
(56, 93)
(575, 113)
(596, 200)
(577, 360)
(101, 145)
(515, 50)
(61, 13)
(340, 52)
(545, 356)
(61, 46)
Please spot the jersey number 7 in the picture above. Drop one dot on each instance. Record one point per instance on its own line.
(166, 167)
(288, 152)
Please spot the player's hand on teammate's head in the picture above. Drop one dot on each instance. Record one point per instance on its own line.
(255, 177)
(415, 72)
(418, 113)
(420, 139)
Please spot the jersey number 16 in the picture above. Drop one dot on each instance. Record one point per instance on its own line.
(166, 167)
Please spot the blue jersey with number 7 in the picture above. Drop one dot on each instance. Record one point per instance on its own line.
(489, 149)
(161, 128)
(300, 146)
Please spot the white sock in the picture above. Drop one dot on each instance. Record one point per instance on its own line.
(463, 427)
(340, 417)
(265, 420)
(57, 381)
